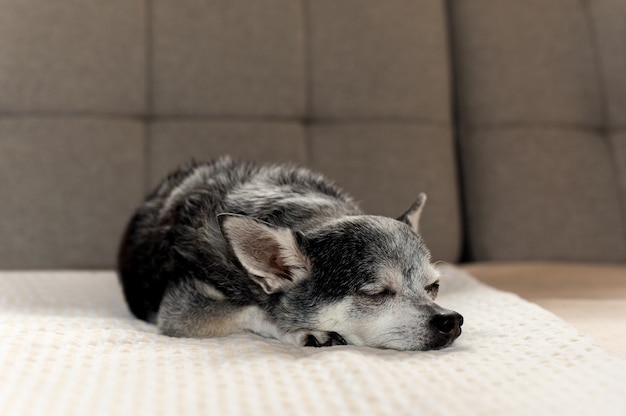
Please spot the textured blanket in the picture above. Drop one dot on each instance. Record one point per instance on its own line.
(70, 347)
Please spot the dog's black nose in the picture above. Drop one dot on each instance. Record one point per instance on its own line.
(448, 324)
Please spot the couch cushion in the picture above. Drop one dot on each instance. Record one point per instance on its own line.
(525, 62)
(65, 56)
(541, 194)
(540, 87)
(372, 58)
(228, 58)
(68, 187)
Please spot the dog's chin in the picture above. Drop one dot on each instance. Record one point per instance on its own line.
(440, 342)
(446, 344)
(429, 346)
(433, 344)
(435, 341)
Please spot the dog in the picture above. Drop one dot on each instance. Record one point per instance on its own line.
(228, 247)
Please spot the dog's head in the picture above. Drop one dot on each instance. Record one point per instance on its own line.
(367, 278)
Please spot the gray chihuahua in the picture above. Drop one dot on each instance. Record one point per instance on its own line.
(226, 247)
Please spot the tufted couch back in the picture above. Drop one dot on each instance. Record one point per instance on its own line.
(510, 115)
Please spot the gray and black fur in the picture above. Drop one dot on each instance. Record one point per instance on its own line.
(227, 247)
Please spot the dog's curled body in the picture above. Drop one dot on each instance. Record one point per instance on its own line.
(228, 247)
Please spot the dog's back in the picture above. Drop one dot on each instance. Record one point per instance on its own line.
(175, 232)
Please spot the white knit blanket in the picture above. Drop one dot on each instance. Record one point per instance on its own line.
(70, 347)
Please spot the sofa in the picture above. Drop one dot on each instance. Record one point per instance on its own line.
(508, 114)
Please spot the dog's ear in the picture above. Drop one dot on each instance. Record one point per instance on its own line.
(270, 254)
(413, 214)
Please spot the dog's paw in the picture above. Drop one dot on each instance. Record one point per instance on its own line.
(324, 339)
(309, 338)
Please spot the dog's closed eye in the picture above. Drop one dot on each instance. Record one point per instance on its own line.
(376, 294)
(432, 289)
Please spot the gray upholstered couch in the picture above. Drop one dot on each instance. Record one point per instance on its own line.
(509, 114)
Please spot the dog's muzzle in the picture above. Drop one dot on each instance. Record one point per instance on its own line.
(448, 328)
